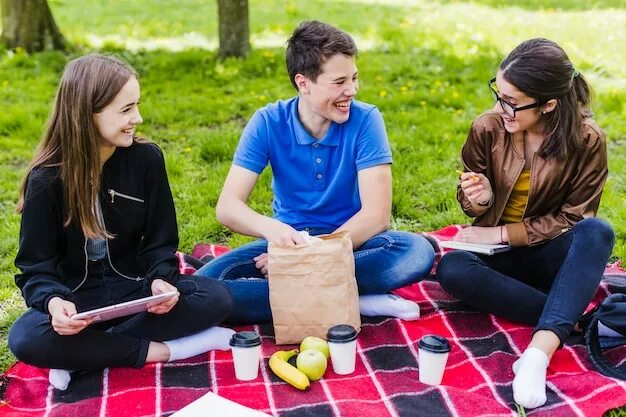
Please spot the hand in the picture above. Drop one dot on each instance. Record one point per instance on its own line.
(476, 187)
(261, 263)
(61, 312)
(160, 286)
(477, 234)
(284, 234)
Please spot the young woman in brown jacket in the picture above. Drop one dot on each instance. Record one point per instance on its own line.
(535, 166)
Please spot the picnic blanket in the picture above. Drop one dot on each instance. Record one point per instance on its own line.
(477, 380)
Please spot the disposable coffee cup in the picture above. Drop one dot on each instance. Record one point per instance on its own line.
(432, 358)
(246, 348)
(342, 345)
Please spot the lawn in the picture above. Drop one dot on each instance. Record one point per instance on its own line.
(425, 64)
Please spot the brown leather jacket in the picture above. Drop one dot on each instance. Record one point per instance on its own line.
(560, 195)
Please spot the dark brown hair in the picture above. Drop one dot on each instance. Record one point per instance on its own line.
(311, 44)
(71, 138)
(542, 70)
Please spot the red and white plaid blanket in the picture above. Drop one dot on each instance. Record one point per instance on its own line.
(477, 380)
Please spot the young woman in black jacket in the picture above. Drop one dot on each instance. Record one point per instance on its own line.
(98, 228)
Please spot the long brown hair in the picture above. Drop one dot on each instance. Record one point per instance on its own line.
(542, 70)
(71, 138)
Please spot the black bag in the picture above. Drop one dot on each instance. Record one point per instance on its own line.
(612, 313)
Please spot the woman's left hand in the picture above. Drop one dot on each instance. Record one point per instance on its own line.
(160, 286)
(477, 234)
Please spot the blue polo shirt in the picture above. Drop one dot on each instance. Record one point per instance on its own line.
(314, 181)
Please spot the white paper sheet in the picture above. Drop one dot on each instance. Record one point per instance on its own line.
(211, 405)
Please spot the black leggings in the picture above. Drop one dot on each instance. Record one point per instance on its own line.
(121, 342)
(548, 286)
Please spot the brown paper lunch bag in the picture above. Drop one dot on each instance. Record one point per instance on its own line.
(312, 287)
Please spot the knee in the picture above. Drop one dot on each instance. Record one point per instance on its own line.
(214, 299)
(452, 271)
(24, 343)
(595, 231)
(421, 255)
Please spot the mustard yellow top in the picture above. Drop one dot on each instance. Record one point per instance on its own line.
(515, 207)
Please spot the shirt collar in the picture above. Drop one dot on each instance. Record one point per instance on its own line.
(304, 138)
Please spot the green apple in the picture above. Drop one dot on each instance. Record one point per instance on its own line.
(312, 342)
(312, 363)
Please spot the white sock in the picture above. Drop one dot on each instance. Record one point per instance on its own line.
(388, 305)
(59, 378)
(213, 338)
(529, 385)
(607, 331)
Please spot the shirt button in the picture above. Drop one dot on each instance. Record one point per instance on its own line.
(319, 176)
(316, 145)
(318, 160)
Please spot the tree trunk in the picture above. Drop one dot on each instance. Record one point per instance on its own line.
(29, 24)
(234, 28)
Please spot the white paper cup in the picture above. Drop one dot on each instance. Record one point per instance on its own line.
(342, 345)
(432, 358)
(246, 349)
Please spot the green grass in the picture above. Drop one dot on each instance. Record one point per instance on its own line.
(617, 412)
(425, 64)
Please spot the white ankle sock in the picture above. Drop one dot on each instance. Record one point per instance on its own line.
(388, 305)
(213, 338)
(607, 331)
(529, 385)
(59, 378)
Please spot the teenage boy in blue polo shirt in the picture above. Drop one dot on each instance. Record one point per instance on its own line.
(331, 166)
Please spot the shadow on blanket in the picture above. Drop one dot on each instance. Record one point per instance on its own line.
(477, 381)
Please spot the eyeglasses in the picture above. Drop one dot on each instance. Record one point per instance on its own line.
(506, 106)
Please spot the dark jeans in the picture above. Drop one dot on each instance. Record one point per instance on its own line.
(387, 261)
(548, 285)
(120, 342)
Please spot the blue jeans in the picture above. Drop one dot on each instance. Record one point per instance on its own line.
(548, 285)
(119, 342)
(387, 261)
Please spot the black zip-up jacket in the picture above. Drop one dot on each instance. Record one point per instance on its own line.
(138, 210)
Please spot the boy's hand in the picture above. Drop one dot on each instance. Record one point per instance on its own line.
(61, 312)
(279, 233)
(476, 188)
(284, 234)
(261, 263)
(160, 286)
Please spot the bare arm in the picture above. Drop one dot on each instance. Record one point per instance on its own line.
(232, 210)
(375, 214)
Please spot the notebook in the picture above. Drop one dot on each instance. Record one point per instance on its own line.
(483, 248)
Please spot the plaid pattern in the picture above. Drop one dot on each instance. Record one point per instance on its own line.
(477, 381)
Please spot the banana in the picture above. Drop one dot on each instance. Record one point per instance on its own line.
(285, 371)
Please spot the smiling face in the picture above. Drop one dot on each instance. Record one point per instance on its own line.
(117, 120)
(529, 119)
(329, 97)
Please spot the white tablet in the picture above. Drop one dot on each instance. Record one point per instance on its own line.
(123, 309)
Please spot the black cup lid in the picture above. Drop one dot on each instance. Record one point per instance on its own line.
(245, 339)
(341, 333)
(434, 343)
